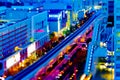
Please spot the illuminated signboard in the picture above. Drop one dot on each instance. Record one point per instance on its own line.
(12, 60)
(2, 78)
(31, 48)
(39, 30)
(53, 15)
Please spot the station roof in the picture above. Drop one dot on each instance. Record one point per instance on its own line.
(27, 12)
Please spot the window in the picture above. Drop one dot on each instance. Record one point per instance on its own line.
(117, 73)
(118, 41)
(118, 26)
(118, 58)
(118, 18)
(117, 65)
(118, 10)
(42, 24)
(118, 0)
(118, 34)
(118, 50)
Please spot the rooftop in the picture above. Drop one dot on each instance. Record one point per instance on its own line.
(13, 15)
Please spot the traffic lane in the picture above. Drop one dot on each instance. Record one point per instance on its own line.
(33, 72)
(52, 57)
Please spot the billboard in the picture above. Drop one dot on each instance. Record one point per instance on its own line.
(31, 48)
(12, 60)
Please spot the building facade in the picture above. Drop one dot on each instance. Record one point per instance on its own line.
(117, 39)
(19, 31)
(12, 35)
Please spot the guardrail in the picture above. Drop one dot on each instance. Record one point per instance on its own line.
(91, 48)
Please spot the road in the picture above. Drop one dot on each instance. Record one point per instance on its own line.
(31, 70)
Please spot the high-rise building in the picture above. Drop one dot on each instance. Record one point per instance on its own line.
(117, 38)
(13, 33)
(16, 30)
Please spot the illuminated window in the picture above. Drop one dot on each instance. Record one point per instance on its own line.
(118, 42)
(118, 49)
(118, 34)
(12, 60)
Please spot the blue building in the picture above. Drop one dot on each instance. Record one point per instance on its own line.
(13, 32)
(105, 7)
(57, 16)
(117, 39)
(40, 29)
(21, 35)
(57, 20)
(18, 30)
